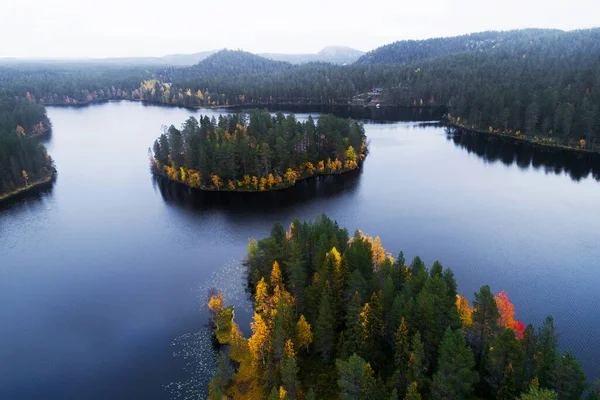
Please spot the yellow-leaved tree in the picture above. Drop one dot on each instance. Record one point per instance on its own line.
(305, 336)
(260, 342)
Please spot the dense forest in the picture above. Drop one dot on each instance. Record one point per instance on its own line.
(23, 160)
(257, 152)
(337, 317)
(539, 84)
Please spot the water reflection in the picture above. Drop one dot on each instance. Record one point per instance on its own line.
(29, 197)
(325, 187)
(372, 114)
(492, 149)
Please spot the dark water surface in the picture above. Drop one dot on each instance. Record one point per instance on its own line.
(99, 274)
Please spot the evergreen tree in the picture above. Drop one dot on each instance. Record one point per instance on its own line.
(324, 331)
(484, 328)
(289, 371)
(505, 355)
(455, 376)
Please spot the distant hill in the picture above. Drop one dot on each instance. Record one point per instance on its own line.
(231, 63)
(407, 51)
(331, 54)
(168, 60)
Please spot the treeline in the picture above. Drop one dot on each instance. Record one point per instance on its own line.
(73, 83)
(22, 158)
(257, 152)
(338, 317)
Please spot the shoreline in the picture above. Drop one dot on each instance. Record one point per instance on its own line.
(34, 185)
(225, 189)
(524, 139)
(240, 106)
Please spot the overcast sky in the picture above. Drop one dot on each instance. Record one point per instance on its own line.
(119, 28)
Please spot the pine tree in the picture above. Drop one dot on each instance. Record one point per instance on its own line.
(373, 328)
(568, 378)
(484, 328)
(221, 378)
(505, 351)
(289, 371)
(548, 346)
(455, 376)
(353, 334)
(324, 333)
(416, 363)
(351, 377)
(507, 389)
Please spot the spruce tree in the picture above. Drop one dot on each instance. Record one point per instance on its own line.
(455, 376)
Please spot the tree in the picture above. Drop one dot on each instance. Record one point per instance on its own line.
(505, 355)
(484, 327)
(413, 392)
(289, 371)
(548, 346)
(416, 363)
(276, 279)
(260, 341)
(305, 336)
(353, 334)
(372, 323)
(455, 376)
(568, 378)
(507, 387)
(507, 313)
(356, 380)
(325, 335)
(216, 181)
(221, 377)
(535, 393)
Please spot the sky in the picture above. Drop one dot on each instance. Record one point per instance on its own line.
(131, 28)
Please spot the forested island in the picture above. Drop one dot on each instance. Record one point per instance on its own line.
(257, 152)
(24, 161)
(540, 84)
(337, 317)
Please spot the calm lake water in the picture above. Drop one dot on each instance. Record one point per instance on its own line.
(102, 276)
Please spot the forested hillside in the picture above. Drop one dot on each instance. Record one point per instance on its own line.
(407, 51)
(258, 153)
(22, 158)
(337, 317)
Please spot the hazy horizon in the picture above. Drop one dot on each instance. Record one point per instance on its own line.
(72, 29)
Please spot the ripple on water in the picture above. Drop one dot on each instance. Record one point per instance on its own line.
(199, 350)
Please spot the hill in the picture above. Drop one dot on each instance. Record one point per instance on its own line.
(228, 63)
(407, 51)
(331, 54)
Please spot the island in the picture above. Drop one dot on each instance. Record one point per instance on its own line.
(257, 152)
(24, 161)
(337, 317)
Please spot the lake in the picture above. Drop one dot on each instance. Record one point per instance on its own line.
(103, 275)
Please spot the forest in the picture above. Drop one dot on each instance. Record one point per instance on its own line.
(337, 317)
(257, 152)
(540, 84)
(23, 159)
